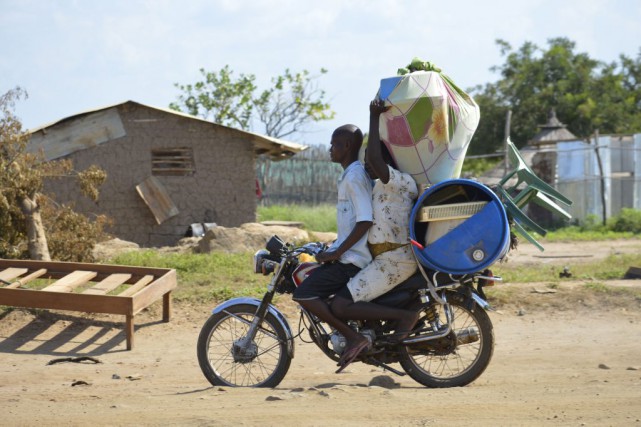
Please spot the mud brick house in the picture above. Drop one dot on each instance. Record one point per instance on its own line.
(165, 170)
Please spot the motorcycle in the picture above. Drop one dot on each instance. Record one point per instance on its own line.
(249, 342)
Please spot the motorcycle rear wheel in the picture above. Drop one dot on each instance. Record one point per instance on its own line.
(262, 363)
(438, 367)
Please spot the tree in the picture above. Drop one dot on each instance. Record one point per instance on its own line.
(586, 94)
(293, 101)
(22, 177)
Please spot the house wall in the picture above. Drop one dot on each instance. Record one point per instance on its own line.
(222, 189)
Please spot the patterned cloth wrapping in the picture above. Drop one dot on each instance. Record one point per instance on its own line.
(430, 125)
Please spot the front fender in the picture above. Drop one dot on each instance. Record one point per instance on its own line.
(271, 309)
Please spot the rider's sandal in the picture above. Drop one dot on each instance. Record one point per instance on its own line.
(352, 354)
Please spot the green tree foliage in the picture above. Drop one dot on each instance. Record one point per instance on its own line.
(27, 215)
(293, 101)
(219, 98)
(586, 94)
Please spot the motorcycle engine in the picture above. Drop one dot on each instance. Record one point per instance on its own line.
(339, 342)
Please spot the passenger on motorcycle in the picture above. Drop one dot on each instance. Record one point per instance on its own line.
(393, 197)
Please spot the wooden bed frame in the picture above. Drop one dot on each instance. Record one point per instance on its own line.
(86, 287)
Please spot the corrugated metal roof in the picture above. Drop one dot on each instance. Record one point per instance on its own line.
(273, 147)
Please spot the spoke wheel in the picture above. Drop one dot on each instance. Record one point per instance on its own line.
(457, 359)
(228, 358)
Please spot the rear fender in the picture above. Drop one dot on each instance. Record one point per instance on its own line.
(473, 299)
(271, 309)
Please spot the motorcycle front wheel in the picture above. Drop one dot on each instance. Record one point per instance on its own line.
(457, 359)
(228, 358)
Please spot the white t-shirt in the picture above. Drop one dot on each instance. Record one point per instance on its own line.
(354, 205)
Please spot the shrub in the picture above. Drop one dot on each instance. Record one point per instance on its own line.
(627, 220)
(71, 236)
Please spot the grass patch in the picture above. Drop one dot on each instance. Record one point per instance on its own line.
(219, 276)
(215, 276)
(315, 218)
(576, 234)
(612, 267)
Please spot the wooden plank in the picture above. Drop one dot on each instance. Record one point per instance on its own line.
(70, 281)
(156, 197)
(172, 171)
(66, 301)
(146, 296)
(170, 159)
(11, 273)
(137, 286)
(58, 269)
(129, 331)
(166, 307)
(28, 278)
(108, 284)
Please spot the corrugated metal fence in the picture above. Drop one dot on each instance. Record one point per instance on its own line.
(617, 181)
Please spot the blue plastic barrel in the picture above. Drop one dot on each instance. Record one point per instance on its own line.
(475, 244)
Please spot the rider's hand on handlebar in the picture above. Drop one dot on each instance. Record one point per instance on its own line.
(327, 256)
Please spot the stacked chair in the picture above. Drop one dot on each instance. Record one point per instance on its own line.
(528, 188)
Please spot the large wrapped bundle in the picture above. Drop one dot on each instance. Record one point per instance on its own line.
(430, 123)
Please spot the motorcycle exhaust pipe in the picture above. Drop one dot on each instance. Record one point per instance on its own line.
(463, 336)
(467, 336)
(428, 337)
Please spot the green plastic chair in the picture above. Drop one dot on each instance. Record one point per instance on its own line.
(517, 214)
(542, 200)
(535, 190)
(519, 229)
(533, 183)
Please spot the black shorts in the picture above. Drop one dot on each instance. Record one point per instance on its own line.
(345, 293)
(325, 281)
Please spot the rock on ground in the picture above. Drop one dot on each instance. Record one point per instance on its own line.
(110, 248)
(247, 237)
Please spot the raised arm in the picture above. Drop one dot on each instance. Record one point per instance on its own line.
(374, 155)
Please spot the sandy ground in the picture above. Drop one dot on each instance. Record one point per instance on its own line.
(580, 365)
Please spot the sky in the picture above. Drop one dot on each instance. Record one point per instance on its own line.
(76, 55)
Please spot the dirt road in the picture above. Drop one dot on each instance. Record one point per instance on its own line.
(576, 366)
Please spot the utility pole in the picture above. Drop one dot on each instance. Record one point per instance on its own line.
(602, 177)
(508, 124)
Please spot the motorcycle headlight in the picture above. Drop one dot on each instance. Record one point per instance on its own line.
(259, 259)
(262, 264)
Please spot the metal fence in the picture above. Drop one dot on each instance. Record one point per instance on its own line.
(309, 177)
(602, 190)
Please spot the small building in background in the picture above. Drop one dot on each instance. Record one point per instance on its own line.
(165, 170)
(601, 174)
(543, 161)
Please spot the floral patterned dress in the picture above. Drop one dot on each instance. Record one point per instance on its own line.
(392, 204)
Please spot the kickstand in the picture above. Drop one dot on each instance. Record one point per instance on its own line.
(380, 364)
